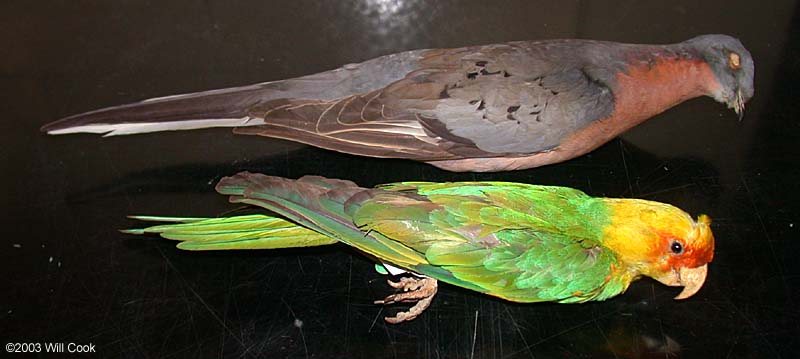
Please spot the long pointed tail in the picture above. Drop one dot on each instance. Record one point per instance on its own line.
(218, 108)
(232, 107)
(305, 202)
(239, 232)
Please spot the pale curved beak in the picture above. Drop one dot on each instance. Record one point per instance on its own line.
(691, 279)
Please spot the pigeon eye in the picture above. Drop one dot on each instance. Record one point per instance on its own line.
(734, 61)
(676, 247)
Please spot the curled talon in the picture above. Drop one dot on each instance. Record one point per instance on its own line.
(420, 290)
(411, 313)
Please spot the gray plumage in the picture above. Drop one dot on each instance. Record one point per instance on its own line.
(444, 106)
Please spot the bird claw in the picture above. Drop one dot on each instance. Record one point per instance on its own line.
(419, 290)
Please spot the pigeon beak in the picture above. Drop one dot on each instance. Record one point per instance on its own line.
(691, 279)
(738, 104)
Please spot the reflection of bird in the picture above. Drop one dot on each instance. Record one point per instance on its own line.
(483, 108)
(520, 242)
(622, 341)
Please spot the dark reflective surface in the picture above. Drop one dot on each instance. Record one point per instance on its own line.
(70, 277)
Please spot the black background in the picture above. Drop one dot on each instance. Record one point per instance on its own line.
(68, 276)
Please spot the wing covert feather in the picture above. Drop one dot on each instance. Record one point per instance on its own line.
(493, 240)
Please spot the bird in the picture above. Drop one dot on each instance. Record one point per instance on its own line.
(519, 242)
(487, 108)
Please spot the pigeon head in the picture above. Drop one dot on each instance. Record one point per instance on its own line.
(732, 66)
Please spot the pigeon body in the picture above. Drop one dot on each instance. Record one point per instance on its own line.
(483, 108)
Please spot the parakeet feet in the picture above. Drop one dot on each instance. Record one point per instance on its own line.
(420, 290)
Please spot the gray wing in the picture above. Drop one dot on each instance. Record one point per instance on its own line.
(485, 101)
(442, 104)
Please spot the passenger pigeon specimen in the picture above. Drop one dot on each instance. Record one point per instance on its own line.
(483, 108)
(519, 242)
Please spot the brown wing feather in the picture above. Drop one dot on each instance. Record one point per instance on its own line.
(382, 123)
(360, 124)
(485, 101)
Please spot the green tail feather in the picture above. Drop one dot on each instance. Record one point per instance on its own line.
(239, 232)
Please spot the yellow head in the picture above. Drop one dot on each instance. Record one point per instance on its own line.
(660, 241)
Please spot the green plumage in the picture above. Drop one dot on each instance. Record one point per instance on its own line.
(521, 242)
(240, 232)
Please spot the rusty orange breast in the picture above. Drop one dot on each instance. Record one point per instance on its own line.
(642, 92)
(647, 90)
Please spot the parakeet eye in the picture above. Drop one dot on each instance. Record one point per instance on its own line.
(676, 247)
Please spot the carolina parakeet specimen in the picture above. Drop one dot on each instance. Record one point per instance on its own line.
(494, 107)
(520, 242)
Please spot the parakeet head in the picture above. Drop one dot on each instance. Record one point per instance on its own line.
(660, 241)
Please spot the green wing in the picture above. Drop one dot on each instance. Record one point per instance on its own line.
(532, 266)
(520, 242)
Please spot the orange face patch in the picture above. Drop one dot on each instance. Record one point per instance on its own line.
(695, 253)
